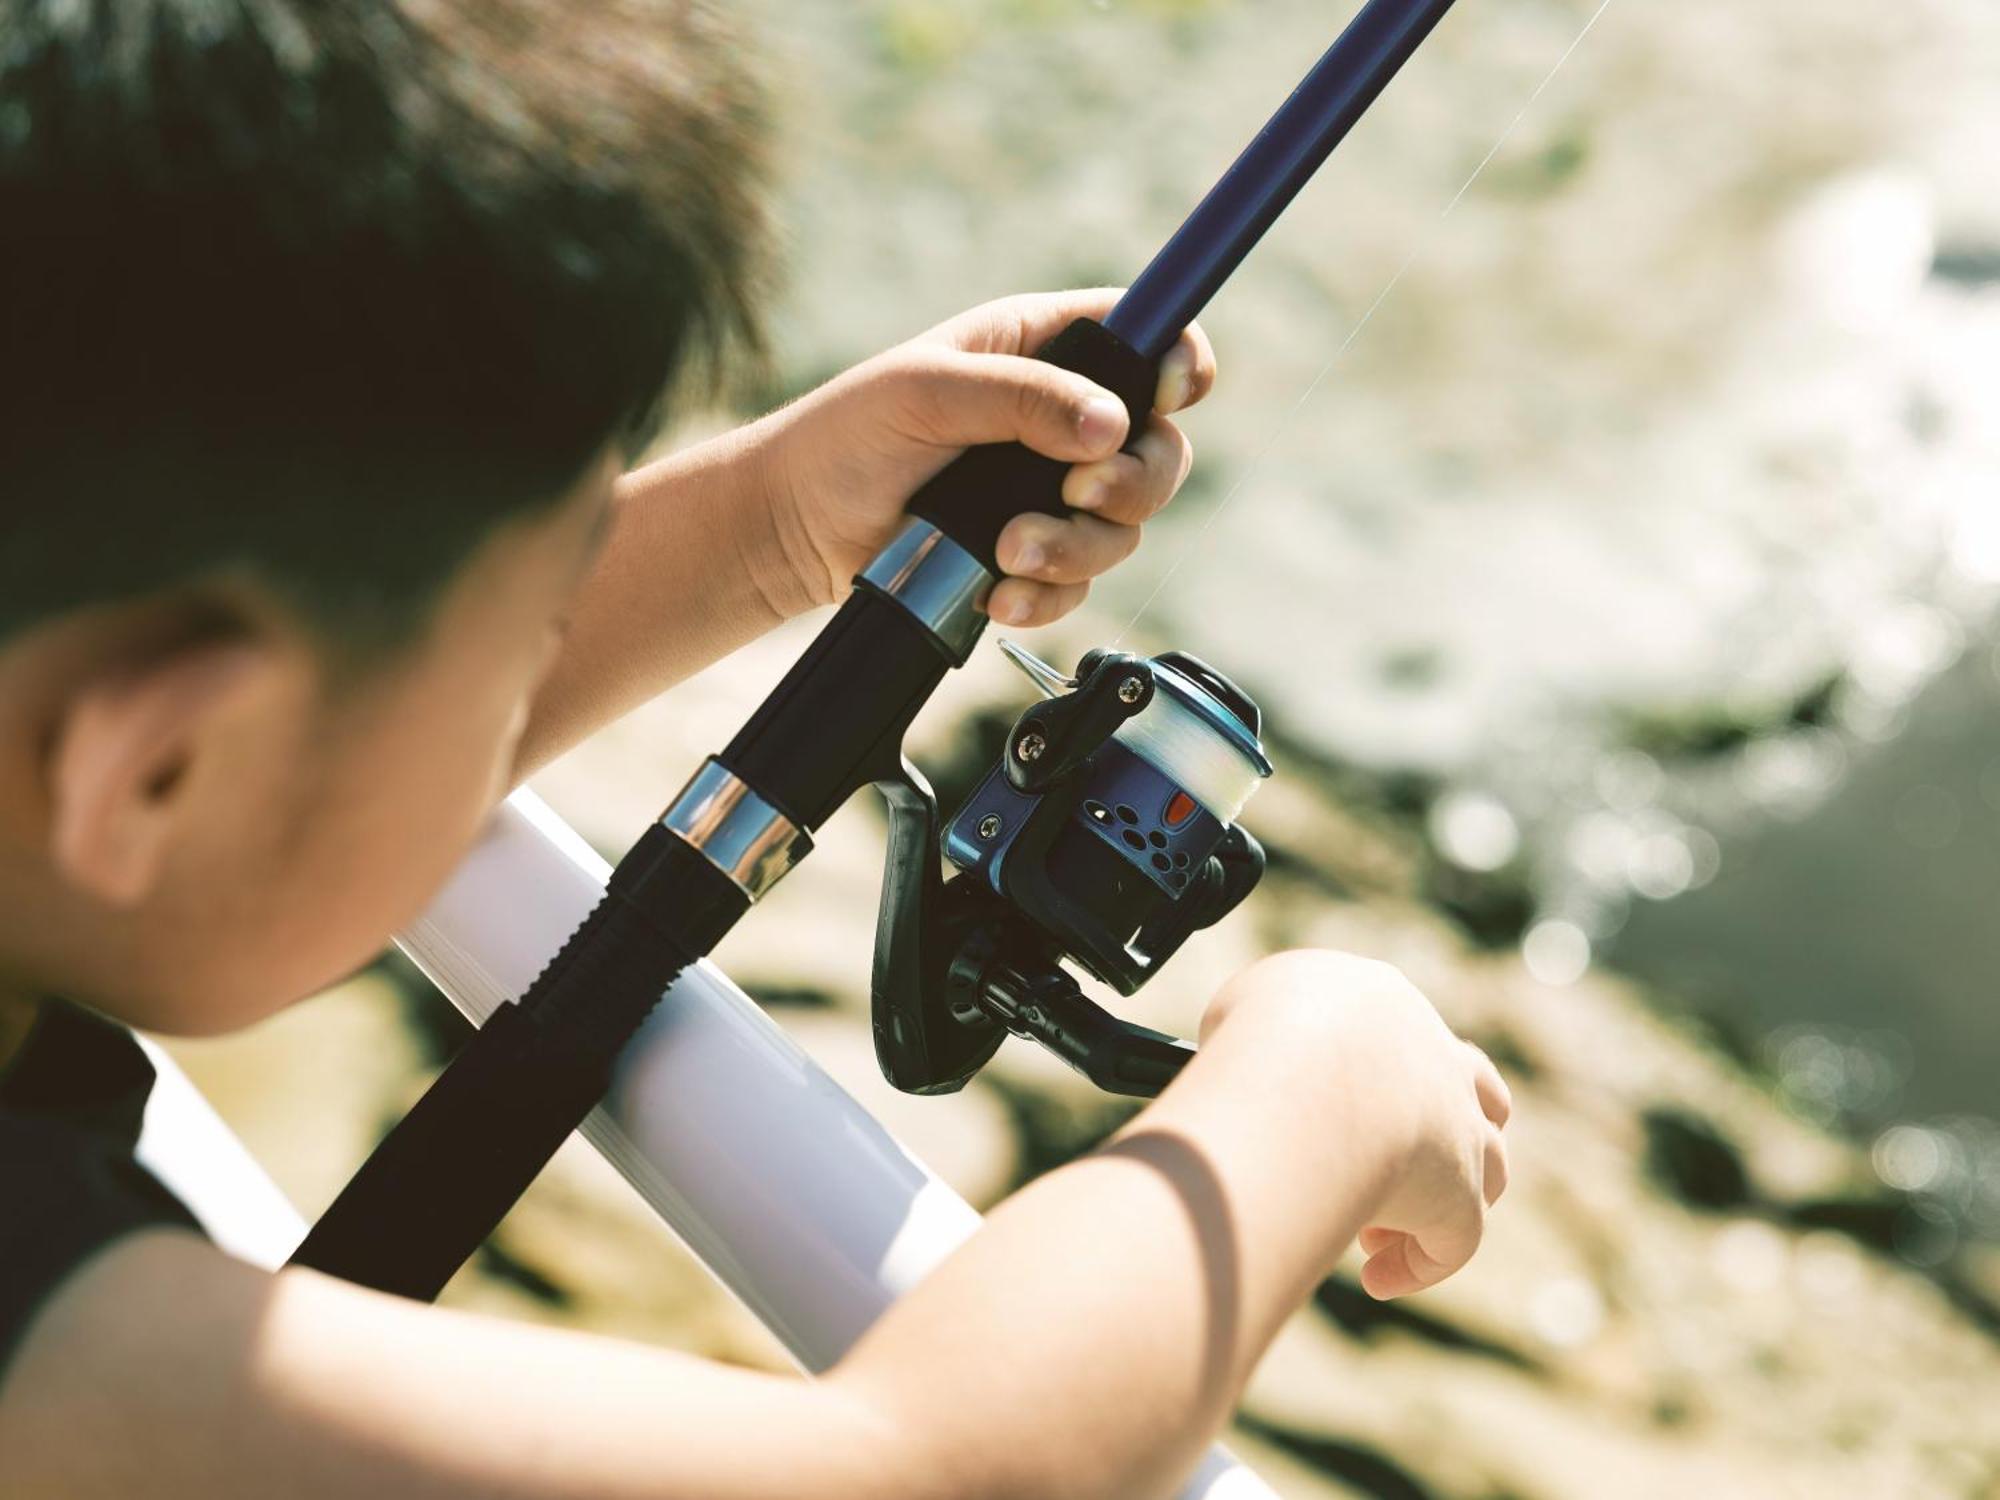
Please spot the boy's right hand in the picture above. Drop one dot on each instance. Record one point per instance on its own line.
(1425, 1107)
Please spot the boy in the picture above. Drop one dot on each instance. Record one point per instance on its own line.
(328, 329)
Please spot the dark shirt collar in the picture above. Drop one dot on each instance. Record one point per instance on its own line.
(17, 1022)
(77, 1067)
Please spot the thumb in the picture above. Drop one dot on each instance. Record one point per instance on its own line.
(955, 400)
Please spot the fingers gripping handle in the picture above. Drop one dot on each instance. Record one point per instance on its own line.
(983, 489)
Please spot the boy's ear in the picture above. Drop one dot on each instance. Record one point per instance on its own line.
(119, 762)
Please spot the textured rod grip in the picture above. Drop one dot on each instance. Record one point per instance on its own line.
(983, 489)
(451, 1169)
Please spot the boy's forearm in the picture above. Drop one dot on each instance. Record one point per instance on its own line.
(1096, 1333)
(693, 567)
(1088, 1342)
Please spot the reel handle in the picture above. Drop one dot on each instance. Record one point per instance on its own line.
(1119, 1056)
(973, 498)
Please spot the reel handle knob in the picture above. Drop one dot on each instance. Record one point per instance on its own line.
(974, 497)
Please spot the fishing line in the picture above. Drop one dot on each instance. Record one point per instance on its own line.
(1427, 242)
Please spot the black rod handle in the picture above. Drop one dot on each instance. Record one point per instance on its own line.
(984, 488)
(444, 1177)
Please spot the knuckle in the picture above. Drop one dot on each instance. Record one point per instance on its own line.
(1327, 969)
(1037, 610)
(1122, 542)
(1379, 979)
(1153, 481)
(1057, 548)
(1158, 448)
(1318, 992)
(990, 325)
(1046, 404)
(1083, 555)
(1204, 372)
(1051, 603)
(1118, 503)
(1471, 1237)
(1130, 493)
(1032, 528)
(1165, 446)
(922, 381)
(1003, 316)
(1469, 1224)
(1013, 602)
(1446, 1252)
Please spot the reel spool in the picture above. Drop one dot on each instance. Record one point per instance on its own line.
(1105, 836)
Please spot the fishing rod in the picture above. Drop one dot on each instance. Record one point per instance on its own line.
(1105, 837)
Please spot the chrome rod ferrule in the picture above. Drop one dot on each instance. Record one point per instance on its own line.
(937, 581)
(736, 830)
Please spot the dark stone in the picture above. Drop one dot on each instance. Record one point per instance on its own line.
(1693, 1161)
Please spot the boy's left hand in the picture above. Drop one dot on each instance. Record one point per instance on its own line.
(839, 465)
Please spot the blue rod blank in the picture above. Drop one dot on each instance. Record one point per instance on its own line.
(1248, 198)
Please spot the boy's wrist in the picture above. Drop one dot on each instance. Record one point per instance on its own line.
(789, 563)
(1338, 1046)
(734, 491)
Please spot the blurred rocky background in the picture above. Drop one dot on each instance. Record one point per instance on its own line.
(1622, 600)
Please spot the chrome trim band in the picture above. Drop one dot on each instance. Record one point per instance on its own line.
(937, 581)
(736, 830)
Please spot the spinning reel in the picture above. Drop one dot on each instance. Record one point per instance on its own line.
(1105, 837)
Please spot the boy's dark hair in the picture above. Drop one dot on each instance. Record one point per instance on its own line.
(322, 290)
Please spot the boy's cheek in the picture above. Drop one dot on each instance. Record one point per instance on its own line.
(380, 835)
(380, 804)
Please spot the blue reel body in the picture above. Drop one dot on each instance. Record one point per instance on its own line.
(1126, 804)
(1084, 826)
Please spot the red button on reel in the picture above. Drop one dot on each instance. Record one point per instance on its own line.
(1180, 807)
